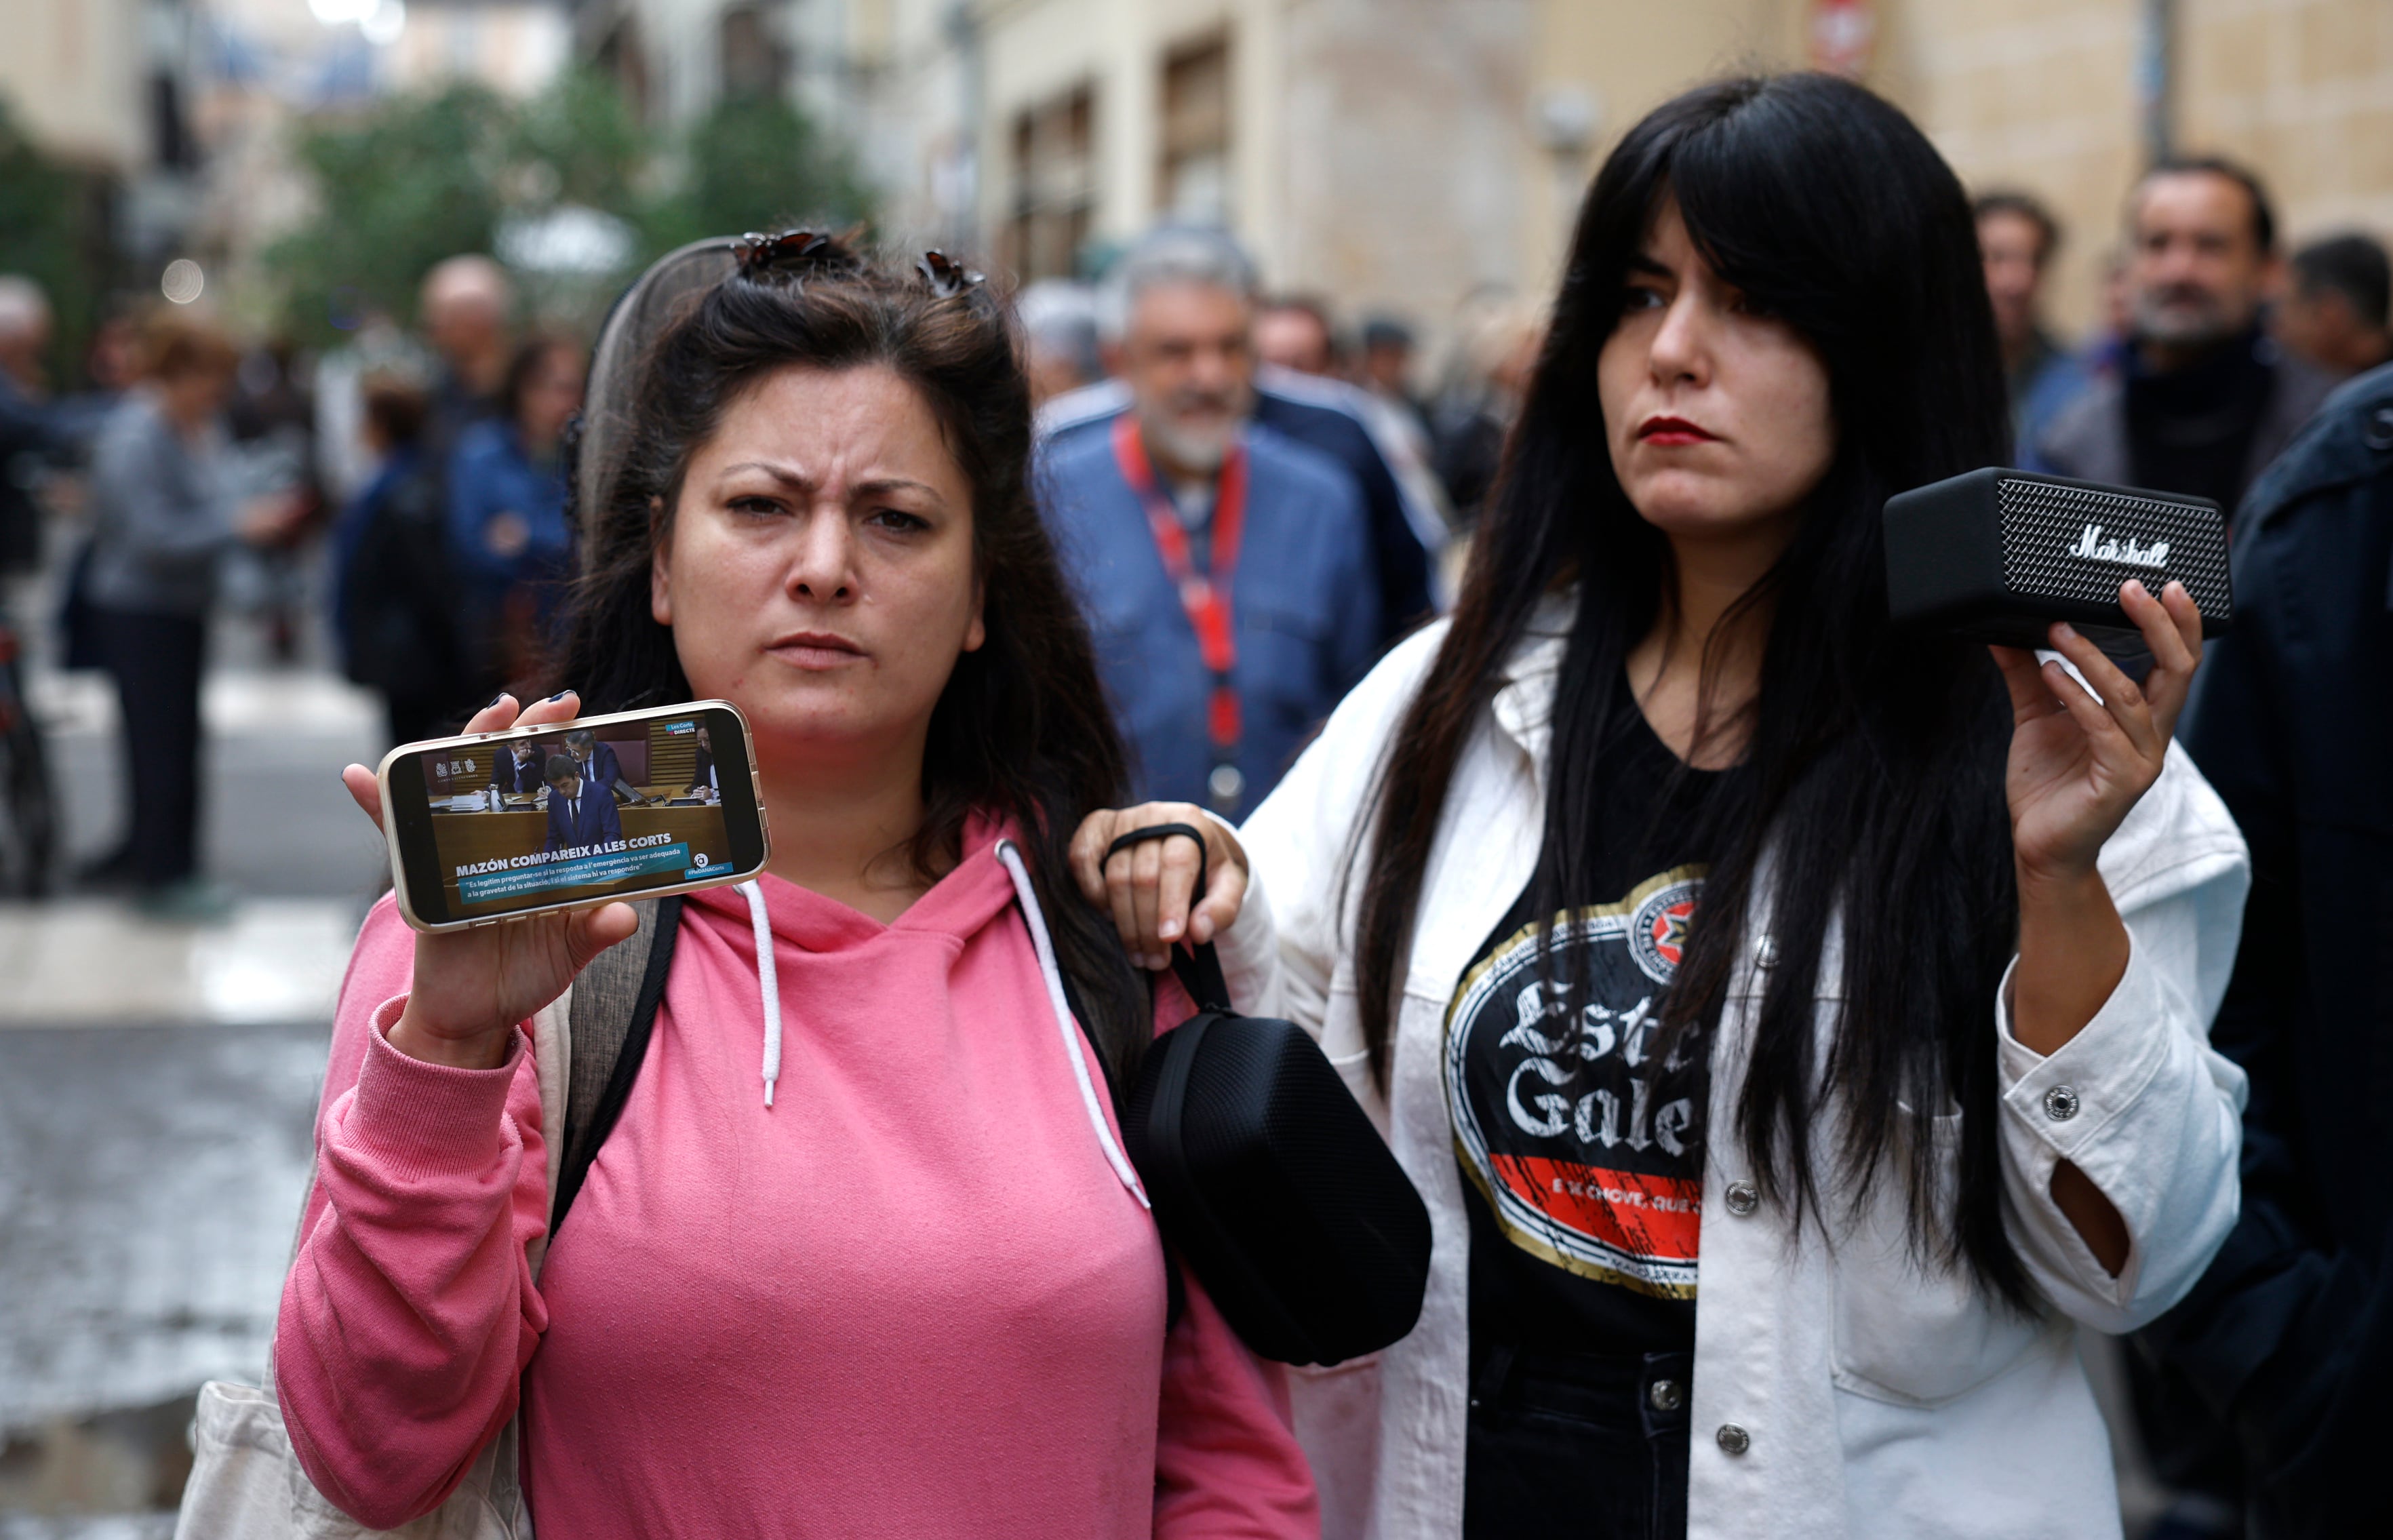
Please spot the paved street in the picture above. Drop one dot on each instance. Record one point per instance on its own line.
(156, 1088)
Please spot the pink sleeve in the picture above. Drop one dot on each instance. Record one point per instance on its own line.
(1226, 1459)
(410, 1312)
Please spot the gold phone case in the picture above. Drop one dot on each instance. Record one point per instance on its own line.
(390, 824)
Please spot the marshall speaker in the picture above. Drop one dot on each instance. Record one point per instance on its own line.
(1997, 556)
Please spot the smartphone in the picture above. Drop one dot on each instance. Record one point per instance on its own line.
(560, 816)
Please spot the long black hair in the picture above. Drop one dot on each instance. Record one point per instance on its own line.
(1021, 730)
(1871, 788)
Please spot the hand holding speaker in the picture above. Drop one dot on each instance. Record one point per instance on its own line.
(2080, 759)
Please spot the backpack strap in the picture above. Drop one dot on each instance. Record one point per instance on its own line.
(612, 1012)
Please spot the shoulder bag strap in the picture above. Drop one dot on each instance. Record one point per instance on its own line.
(613, 1011)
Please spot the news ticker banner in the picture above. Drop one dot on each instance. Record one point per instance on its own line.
(580, 872)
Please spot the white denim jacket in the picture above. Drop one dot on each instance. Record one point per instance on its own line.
(1866, 1398)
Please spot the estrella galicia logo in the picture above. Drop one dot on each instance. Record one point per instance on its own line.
(1658, 931)
(1587, 1148)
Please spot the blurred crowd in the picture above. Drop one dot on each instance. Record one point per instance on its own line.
(404, 496)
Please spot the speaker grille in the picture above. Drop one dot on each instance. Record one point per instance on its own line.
(2055, 538)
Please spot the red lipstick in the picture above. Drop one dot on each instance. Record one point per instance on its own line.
(1672, 430)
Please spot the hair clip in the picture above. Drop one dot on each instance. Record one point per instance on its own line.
(947, 279)
(759, 255)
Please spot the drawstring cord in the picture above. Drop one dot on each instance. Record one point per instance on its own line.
(768, 984)
(1012, 857)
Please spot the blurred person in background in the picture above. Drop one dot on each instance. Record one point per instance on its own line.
(1059, 332)
(465, 307)
(2017, 236)
(2335, 316)
(163, 517)
(28, 434)
(271, 420)
(1321, 414)
(394, 587)
(1385, 366)
(1294, 332)
(1495, 354)
(2288, 1340)
(1224, 568)
(2205, 398)
(1297, 349)
(507, 514)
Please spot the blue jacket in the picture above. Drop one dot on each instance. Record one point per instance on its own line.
(2289, 1335)
(1400, 563)
(588, 819)
(1304, 602)
(489, 475)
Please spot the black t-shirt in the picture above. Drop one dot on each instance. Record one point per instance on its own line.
(1581, 1154)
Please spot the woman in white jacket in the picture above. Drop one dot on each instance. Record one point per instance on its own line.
(1796, 1028)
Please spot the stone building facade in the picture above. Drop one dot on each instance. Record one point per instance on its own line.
(1406, 154)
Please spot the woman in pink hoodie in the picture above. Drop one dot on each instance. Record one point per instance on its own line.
(916, 1292)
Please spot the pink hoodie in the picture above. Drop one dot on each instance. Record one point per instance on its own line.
(911, 1298)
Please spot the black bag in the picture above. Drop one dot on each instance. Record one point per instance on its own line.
(1269, 1179)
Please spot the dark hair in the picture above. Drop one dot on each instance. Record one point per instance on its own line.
(560, 767)
(1871, 790)
(2353, 266)
(2264, 214)
(522, 366)
(396, 409)
(1318, 310)
(2021, 205)
(1022, 730)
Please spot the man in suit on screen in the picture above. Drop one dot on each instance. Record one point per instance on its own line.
(579, 814)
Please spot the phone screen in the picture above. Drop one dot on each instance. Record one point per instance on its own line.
(574, 815)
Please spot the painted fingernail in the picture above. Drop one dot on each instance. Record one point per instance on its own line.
(560, 694)
(496, 698)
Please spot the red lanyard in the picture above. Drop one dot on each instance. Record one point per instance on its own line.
(1207, 599)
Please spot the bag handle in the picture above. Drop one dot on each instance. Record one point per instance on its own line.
(1197, 968)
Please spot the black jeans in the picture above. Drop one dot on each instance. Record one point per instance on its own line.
(1589, 1447)
(157, 661)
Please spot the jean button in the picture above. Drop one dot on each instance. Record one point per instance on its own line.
(2061, 1103)
(1666, 1395)
(1733, 1439)
(1743, 1199)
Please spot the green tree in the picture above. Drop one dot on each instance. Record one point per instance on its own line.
(414, 180)
(757, 162)
(50, 232)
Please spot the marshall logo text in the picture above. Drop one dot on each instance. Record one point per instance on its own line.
(2126, 552)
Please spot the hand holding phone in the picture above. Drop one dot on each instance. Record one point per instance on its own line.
(472, 987)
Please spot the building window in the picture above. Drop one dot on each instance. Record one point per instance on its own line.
(1195, 186)
(1055, 185)
(755, 58)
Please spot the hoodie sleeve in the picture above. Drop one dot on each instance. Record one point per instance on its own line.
(410, 1312)
(1227, 1465)
(1226, 1460)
